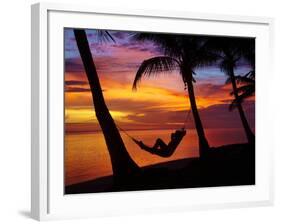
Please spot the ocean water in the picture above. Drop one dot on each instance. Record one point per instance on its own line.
(87, 158)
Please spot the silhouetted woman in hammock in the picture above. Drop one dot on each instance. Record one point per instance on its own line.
(162, 149)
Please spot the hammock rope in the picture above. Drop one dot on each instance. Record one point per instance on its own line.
(125, 132)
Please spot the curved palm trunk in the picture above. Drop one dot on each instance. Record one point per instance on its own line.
(247, 129)
(203, 143)
(122, 164)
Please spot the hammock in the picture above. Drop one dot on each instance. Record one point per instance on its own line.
(160, 148)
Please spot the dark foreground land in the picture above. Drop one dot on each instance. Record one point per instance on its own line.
(227, 165)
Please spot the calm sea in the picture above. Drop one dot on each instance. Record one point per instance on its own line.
(86, 155)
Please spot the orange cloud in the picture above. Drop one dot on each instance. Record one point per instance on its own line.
(151, 106)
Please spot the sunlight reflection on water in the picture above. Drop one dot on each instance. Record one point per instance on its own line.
(86, 155)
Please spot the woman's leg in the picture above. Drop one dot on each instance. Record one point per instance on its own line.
(160, 144)
(158, 148)
(147, 148)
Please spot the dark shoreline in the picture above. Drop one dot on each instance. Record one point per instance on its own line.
(228, 165)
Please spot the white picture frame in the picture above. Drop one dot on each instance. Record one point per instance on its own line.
(48, 201)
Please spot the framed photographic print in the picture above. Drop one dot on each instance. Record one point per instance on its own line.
(146, 111)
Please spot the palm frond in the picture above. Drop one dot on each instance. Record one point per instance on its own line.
(153, 66)
(246, 94)
(248, 50)
(228, 80)
(169, 44)
(244, 88)
(249, 77)
(250, 89)
(203, 55)
(104, 36)
(205, 58)
(227, 66)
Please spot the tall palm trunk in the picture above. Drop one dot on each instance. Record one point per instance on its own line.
(203, 143)
(247, 129)
(122, 164)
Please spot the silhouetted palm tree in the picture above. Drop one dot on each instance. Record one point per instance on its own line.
(182, 53)
(122, 164)
(231, 51)
(245, 90)
(246, 82)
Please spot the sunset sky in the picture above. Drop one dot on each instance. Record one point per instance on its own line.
(159, 103)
